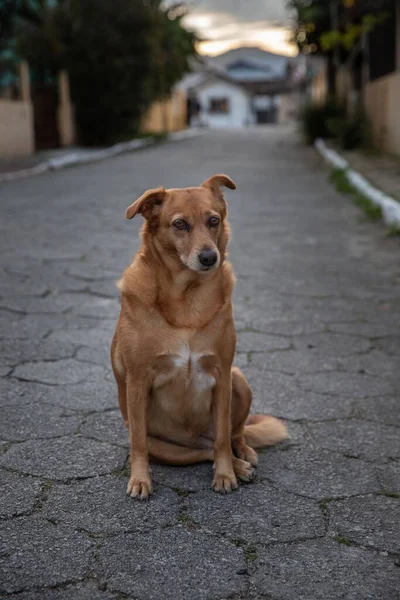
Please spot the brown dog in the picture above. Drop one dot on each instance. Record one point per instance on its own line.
(175, 340)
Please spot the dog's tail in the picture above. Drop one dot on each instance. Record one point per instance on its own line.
(264, 430)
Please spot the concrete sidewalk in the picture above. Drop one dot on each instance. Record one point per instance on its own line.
(382, 170)
(61, 158)
(317, 307)
(21, 163)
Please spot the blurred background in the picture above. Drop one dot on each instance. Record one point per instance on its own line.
(95, 73)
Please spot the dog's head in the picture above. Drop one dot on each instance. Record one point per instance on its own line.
(187, 225)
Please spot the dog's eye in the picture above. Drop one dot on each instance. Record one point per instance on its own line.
(180, 224)
(213, 221)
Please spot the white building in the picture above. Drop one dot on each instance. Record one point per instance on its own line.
(221, 103)
(242, 87)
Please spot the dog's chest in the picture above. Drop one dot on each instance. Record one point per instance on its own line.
(186, 368)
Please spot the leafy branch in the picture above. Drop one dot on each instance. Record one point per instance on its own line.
(352, 33)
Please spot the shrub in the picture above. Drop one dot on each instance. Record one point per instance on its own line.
(353, 132)
(316, 120)
(121, 56)
(329, 120)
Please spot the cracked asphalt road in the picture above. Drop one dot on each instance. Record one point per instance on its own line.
(317, 308)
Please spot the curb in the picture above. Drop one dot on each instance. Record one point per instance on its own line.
(390, 207)
(72, 159)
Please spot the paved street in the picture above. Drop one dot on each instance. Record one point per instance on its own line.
(317, 308)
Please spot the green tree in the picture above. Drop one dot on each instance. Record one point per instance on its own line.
(313, 18)
(121, 55)
(321, 25)
(38, 38)
(8, 13)
(337, 28)
(173, 46)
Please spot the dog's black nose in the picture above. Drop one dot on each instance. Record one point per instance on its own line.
(208, 257)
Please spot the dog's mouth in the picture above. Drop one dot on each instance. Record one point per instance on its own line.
(202, 269)
(208, 268)
(194, 264)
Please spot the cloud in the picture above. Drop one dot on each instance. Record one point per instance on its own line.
(225, 24)
(207, 22)
(244, 10)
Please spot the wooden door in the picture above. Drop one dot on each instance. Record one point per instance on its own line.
(44, 100)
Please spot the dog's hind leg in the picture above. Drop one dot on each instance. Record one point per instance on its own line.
(173, 454)
(240, 408)
(254, 431)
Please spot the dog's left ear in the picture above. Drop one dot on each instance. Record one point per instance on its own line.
(146, 203)
(216, 181)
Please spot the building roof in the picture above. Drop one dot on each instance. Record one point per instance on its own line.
(251, 63)
(251, 69)
(194, 81)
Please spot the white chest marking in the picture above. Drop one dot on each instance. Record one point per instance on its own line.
(181, 360)
(201, 380)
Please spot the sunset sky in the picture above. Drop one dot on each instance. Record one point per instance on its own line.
(226, 24)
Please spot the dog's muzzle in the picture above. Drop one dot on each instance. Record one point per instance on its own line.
(207, 258)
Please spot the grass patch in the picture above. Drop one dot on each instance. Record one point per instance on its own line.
(185, 520)
(124, 472)
(373, 211)
(4, 447)
(324, 504)
(393, 231)
(158, 137)
(342, 540)
(128, 137)
(339, 179)
(249, 550)
(250, 553)
(180, 492)
(96, 552)
(46, 485)
(389, 494)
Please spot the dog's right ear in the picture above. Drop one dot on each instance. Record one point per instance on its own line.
(215, 181)
(146, 203)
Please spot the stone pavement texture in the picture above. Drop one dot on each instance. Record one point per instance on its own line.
(317, 308)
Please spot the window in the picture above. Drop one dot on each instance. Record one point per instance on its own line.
(219, 105)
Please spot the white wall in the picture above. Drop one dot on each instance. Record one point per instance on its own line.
(239, 114)
(288, 107)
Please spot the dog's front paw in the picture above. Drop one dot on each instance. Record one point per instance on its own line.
(243, 470)
(224, 482)
(139, 487)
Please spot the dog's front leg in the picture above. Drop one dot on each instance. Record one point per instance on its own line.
(224, 476)
(139, 485)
